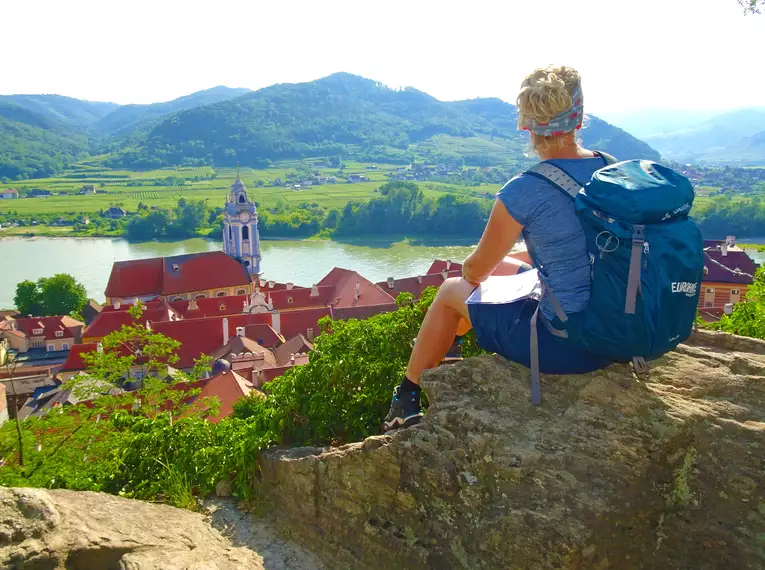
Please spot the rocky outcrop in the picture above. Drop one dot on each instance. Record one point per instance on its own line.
(610, 472)
(46, 530)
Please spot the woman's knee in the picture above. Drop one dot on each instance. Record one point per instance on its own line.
(454, 292)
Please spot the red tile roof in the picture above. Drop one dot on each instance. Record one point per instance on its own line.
(302, 297)
(212, 307)
(176, 275)
(228, 387)
(296, 345)
(292, 323)
(242, 345)
(136, 278)
(345, 283)
(439, 265)
(112, 320)
(70, 327)
(204, 336)
(74, 361)
(269, 374)
(415, 285)
(264, 335)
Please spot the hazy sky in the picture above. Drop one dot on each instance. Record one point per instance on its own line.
(688, 54)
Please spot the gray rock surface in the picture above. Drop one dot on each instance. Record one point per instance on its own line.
(611, 472)
(41, 530)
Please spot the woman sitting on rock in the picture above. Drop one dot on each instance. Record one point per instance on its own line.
(550, 108)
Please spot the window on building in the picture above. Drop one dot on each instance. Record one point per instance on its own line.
(177, 299)
(37, 331)
(710, 290)
(230, 233)
(59, 334)
(220, 294)
(64, 346)
(241, 292)
(241, 199)
(51, 348)
(735, 292)
(201, 296)
(38, 344)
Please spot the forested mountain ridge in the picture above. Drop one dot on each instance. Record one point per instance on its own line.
(67, 110)
(34, 145)
(126, 116)
(339, 114)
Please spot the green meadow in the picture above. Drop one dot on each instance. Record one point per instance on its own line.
(163, 188)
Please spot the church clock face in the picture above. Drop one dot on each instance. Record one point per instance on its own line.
(244, 216)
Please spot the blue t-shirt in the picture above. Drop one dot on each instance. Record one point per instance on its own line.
(552, 232)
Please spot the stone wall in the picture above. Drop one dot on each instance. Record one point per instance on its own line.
(610, 472)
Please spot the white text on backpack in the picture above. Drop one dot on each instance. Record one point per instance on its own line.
(687, 287)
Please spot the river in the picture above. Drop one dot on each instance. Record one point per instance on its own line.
(90, 260)
(303, 262)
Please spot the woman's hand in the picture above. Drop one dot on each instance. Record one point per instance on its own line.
(498, 239)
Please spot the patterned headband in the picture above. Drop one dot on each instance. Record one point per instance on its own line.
(561, 123)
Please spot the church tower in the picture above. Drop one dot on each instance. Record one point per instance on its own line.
(241, 239)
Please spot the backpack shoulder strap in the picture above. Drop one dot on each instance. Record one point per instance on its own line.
(606, 157)
(557, 177)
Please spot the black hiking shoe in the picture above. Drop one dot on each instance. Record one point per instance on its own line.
(405, 410)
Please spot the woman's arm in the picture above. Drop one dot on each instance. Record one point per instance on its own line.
(498, 238)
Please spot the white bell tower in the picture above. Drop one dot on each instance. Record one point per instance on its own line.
(241, 239)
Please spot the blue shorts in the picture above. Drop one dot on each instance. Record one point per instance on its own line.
(506, 330)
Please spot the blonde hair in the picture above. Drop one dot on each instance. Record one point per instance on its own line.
(545, 93)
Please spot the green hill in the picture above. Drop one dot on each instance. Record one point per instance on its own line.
(34, 145)
(341, 114)
(127, 116)
(67, 110)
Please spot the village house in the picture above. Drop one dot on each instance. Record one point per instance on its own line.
(728, 273)
(9, 193)
(87, 189)
(115, 213)
(51, 334)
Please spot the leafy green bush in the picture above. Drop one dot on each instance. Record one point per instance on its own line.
(747, 319)
(147, 452)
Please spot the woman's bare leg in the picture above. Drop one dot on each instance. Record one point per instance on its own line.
(447, 316)
(447, 313)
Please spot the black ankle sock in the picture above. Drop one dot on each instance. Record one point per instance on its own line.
(409, 386)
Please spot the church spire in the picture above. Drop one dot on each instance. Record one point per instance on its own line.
(241, 238)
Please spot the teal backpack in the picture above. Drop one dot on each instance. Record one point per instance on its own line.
(646, 259)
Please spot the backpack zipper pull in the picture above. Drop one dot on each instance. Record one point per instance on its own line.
(646, 250)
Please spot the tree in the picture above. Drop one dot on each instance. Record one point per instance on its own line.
(136, 354)
(27, 298)
(61, 294)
